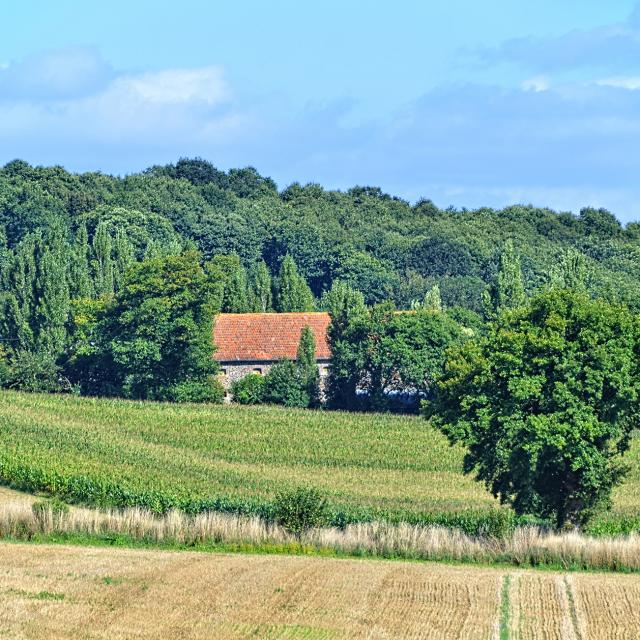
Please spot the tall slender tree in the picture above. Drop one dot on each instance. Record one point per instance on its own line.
(51, 311)
(235, 298)
(260, 287)
(432, 300)
(18, 329)
(509, 287)
(122, 257)
(308, 366)
(572, 272)
(293, 292)
(80, 281)
(103, 260)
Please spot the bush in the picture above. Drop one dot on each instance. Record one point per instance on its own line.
(194, 391)
(284, 385)
(5, 370)
(249, 390)
(299, 510)
(57, 507)
(35, 372)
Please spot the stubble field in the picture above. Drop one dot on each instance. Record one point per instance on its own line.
(94, 593)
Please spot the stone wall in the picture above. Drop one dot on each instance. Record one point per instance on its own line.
(232, 371)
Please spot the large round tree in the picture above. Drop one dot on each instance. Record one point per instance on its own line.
(546, 404)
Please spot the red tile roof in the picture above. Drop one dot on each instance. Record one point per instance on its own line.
(267, 336)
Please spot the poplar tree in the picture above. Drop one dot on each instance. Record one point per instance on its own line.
(509, 291)
(80, 282)
(5, 259)
(293, 292)
(432, 300)
(346, 307)
(51, 291)
(307, 365)
(572, 272)
(235, 297)
(260, 287)
(102, 260)
(122, 257)
(18, 308)
(343, 303)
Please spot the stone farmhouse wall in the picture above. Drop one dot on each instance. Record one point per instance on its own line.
(232, 371)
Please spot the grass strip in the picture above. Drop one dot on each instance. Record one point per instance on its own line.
(572, 609)
(505, 608)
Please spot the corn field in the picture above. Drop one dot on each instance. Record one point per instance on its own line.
(116, 453)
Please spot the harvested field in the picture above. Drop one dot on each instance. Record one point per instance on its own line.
(74, 592)
(573, 606)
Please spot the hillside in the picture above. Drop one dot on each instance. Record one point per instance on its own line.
(382, 245)
(160, 455)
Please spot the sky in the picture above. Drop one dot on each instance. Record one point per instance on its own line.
(469, 104)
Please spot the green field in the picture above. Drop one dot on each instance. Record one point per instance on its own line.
(122, 452)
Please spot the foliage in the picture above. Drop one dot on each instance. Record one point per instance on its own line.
(387, 360)
(260, 288)
(66, 237)
(308, 366)
(432, 301)
(156, 336)
(292, 292)
(508, 290)
(299, 510)
(285, 385)
(34, 371)
(229, 270)
(249, 390)
(572, 272)
(546, 404)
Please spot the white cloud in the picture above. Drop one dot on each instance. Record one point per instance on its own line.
(159, 107)
(631, 83)
(175, 86)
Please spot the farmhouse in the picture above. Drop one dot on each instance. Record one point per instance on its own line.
(254, 342)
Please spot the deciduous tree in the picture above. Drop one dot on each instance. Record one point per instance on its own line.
(546, 404)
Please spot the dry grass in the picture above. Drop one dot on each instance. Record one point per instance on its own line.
(526, 547)
(96, 593)
(574, 607)
(62, 592)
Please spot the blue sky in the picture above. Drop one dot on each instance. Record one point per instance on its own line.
(462, 102)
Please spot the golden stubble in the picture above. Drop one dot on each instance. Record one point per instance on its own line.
(49, 591)
(73, 592)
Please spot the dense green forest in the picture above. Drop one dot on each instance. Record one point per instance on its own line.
(382, 245)
(82, 256)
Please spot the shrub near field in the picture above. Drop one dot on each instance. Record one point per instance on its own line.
(122, 453)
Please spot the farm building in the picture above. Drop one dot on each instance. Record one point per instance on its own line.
(254, 342)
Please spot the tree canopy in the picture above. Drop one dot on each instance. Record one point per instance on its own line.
(545, 404)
